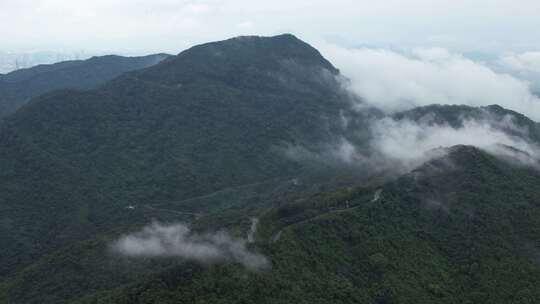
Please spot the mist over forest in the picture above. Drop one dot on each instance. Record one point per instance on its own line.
(286, 152)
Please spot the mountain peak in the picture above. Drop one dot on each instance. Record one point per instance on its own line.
(241, 59)
(283, 37)
(282, 40)
(275, 42)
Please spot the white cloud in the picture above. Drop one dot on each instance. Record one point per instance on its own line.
(198, 8)
(400, 145)
(171, 25)
(411, 143)
(527, 62)
(525, 66)
(433, 54)
(157, 240)
(394, 81)
(246, 25)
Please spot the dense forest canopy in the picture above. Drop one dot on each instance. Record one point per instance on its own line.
(245, 171)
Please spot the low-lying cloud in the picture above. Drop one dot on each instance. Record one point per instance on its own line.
(400, 145)
(525, 66)
(411, 143)
(523, 62)
(177, 240)
(394, 81)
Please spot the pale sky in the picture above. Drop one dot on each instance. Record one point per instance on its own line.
(143, 26)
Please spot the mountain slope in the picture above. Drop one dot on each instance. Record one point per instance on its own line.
(138, 122)
(18, 87)
(247, 128)
(187, 127)
(508, 121)
(461, 229)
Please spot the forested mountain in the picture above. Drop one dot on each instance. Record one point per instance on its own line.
(456, 115)
(460, 229)
(18, 87)
(259, 137)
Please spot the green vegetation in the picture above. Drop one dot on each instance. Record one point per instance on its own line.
(450, 232)
(237, 129)
(18, 87)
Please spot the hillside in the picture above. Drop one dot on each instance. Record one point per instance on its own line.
(460, 229)
(18, 87)
(179, 130)
(500, 118)
(255, 136)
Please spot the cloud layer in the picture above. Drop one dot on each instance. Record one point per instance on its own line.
(400, 145)
(524, 62)
(394, 81)
(157, 240)
(412, 143)
(171, 25)
(525, 66)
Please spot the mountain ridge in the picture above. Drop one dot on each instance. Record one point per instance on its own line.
(204, 138)
(417, 240)
(18, 87)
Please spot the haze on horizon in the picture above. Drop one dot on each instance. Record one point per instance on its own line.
(420, 48)
(137, 27)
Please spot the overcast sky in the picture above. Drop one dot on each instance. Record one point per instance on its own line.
(140, 26)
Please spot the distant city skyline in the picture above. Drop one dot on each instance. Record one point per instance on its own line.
(10, 61)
